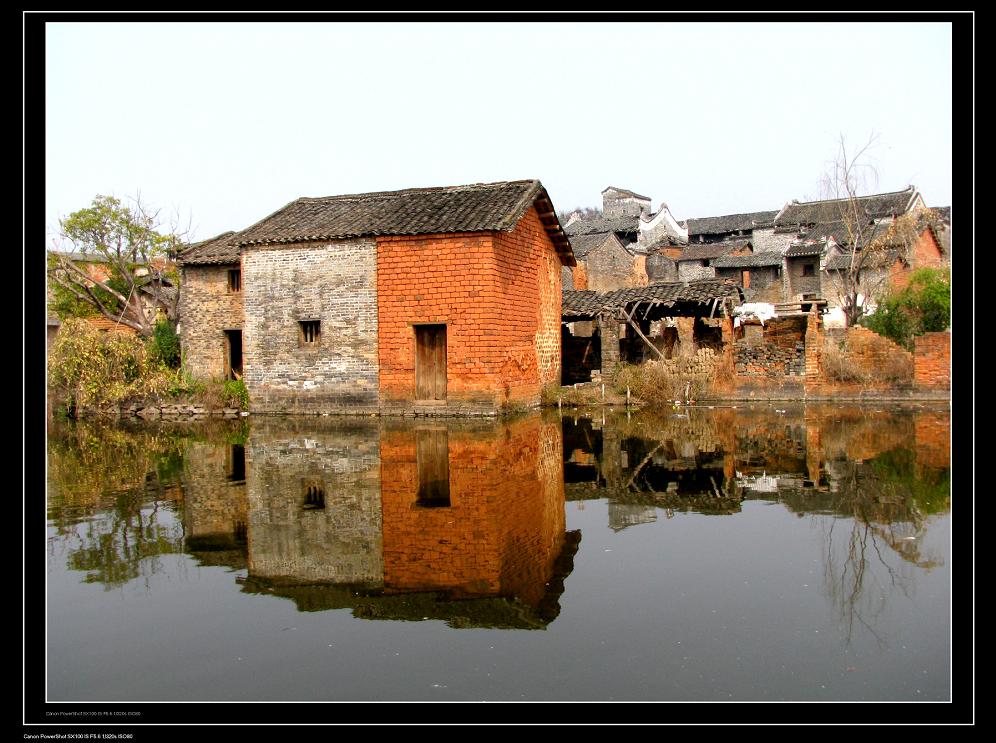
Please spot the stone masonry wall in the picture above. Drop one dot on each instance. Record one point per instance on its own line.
(610, 266)
(932, 361)
(775, 349)
(207, 308)
(332, 282)
(694, 270)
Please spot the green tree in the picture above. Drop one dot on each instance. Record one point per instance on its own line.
(135, 281)
(923, 306)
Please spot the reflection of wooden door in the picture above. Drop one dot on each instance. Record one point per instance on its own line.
(432, 454)
(430, 362)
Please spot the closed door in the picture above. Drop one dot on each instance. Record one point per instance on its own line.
(430, 362)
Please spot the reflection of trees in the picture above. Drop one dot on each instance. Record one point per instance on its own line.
(112, 496)
(888, 502)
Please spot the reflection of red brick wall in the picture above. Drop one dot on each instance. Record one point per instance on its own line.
(932, 360)
(498, 294)
(933, 439)
(505, 524)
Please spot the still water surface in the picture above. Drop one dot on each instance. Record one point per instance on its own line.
(749, 553)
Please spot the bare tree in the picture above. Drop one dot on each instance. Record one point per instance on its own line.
(119, 266)
(860, 272)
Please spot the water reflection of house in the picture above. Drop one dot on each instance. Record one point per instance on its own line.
(457, 521)
(215, 504)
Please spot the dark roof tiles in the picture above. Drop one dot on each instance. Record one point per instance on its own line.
(875, 206)
(589, 303)
(731, 223)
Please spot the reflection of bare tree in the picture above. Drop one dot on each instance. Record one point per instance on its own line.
(887, 521)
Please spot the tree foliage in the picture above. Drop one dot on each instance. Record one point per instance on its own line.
(119, 269)
(923, 306)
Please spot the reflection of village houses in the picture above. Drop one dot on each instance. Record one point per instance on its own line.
(885, 467)
(460, 522)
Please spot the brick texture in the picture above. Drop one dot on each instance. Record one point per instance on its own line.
(932, 361)
(504, 526)
(332, 282)
(498, 295)
(207, 308)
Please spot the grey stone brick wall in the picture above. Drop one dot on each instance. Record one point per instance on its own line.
(692, 270)
(610, 266)
(332, 282)
(207, 308)
(765, 240)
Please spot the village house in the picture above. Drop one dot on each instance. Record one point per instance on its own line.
(433, 300)
(639, 234)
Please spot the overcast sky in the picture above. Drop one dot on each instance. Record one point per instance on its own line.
(222, 124)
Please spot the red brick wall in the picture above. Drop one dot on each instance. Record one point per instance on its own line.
(926, 254)
(580, 276)
(932, 360)
(504, 527)
(498, 294)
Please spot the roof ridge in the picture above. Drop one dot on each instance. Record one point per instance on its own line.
(911, 189)
(408, 191)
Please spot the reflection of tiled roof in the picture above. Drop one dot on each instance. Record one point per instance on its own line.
(216, 250)
(731, 223)
(590, 303)
(708, 251)
(754, 260)
(875, 206)
(598, 225)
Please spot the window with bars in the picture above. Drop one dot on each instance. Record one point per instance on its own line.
(311, 332)
(235, 280)
(314, 496)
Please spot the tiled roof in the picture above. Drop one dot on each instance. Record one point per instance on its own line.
(584, 244)
(217, 250)
(877, 259)
(875, 206)
(943, 212)
(842, 234)
(590, 303)
(730, 223)
(798, 250)
(754, 260)
(603, 224)
(626, 192)
(665, 241)
(479, 207)
(416, 211)
(708, 251)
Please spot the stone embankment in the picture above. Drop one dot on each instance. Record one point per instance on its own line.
(173, 411)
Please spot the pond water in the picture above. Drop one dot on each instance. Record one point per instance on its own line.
(727, 553)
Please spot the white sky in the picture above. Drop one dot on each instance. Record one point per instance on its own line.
(223, 124)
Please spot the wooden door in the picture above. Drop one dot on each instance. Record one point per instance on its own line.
(430, 362)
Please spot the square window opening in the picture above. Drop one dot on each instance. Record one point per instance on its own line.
(310, 332)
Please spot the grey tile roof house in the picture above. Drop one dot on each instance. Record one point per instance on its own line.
(875, 206)
(374, 301)
(708, 251)
(730, 223)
